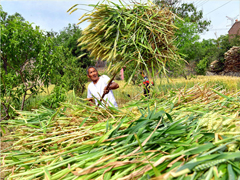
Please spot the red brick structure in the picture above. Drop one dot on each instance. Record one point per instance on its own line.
(234, 30)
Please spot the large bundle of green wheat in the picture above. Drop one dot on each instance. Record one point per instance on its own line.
(191, 133)
(139, 33)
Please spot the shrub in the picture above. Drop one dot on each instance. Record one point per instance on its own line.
(57, 96)
(202, 66)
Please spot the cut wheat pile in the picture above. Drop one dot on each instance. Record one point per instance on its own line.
(188, 133)
(120, 34)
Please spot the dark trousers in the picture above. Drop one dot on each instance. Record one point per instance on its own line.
(146, 90)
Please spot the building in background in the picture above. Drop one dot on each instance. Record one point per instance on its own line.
(100, 64)
(234, 30)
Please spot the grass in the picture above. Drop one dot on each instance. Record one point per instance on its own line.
(34, 102)
(225, 82)
(129, 92)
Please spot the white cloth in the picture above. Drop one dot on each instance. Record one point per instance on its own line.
(98, 88)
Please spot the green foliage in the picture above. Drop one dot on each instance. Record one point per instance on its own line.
(204, 52)
(57, 96)
(74, 77)
(202, 66)
(128, 74)
(8, 95)
(223, 45)
(189, 11)
(31, 59)
(186, 34)
(235, 40)
(186, 37)
(71, 70)
(27, 61)
(68, 38)
(186, 11)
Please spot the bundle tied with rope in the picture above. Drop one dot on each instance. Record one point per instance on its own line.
(142, 34)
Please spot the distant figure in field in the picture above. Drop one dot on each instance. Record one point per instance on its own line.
(98, 86)
(146, 85)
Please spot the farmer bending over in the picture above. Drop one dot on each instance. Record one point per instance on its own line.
(98, 86)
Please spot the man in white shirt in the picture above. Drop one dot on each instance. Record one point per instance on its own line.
(98, 86)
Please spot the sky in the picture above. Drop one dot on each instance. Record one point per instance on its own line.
(52, 14)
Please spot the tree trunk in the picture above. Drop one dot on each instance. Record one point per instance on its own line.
(83, 88)
(23, 100)
(6, 111)
(5, 65)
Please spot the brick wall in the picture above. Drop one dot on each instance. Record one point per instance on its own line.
(235, 29)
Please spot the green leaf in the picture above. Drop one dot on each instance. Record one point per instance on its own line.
(47, 174)
(15, 159)
(200, 149)
(180, 132)
(116, 129)
(101, 139)
(236, 166)
(3, 130)
(83, 122)
(169, 117)
(156, 172)
(220, 94)
(209, 174)
(107, 125)
(107, 175)
(231, 174)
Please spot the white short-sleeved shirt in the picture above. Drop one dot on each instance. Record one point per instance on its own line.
(98, 88)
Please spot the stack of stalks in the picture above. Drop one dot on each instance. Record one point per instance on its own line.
(171, 137)
(232, 57)
(140, 33)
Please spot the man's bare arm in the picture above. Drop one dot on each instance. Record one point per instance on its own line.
(112, 86)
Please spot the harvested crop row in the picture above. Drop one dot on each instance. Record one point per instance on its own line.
(166, 139)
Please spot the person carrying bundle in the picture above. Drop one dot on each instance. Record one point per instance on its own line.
(98, 87)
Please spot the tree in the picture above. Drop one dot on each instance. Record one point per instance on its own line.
(211, 50)
(186, 11)
(135, 77)
(186, 36)
(68, 38)
(71, 72)
(27, 61)
(73, 76)
(189, 27)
